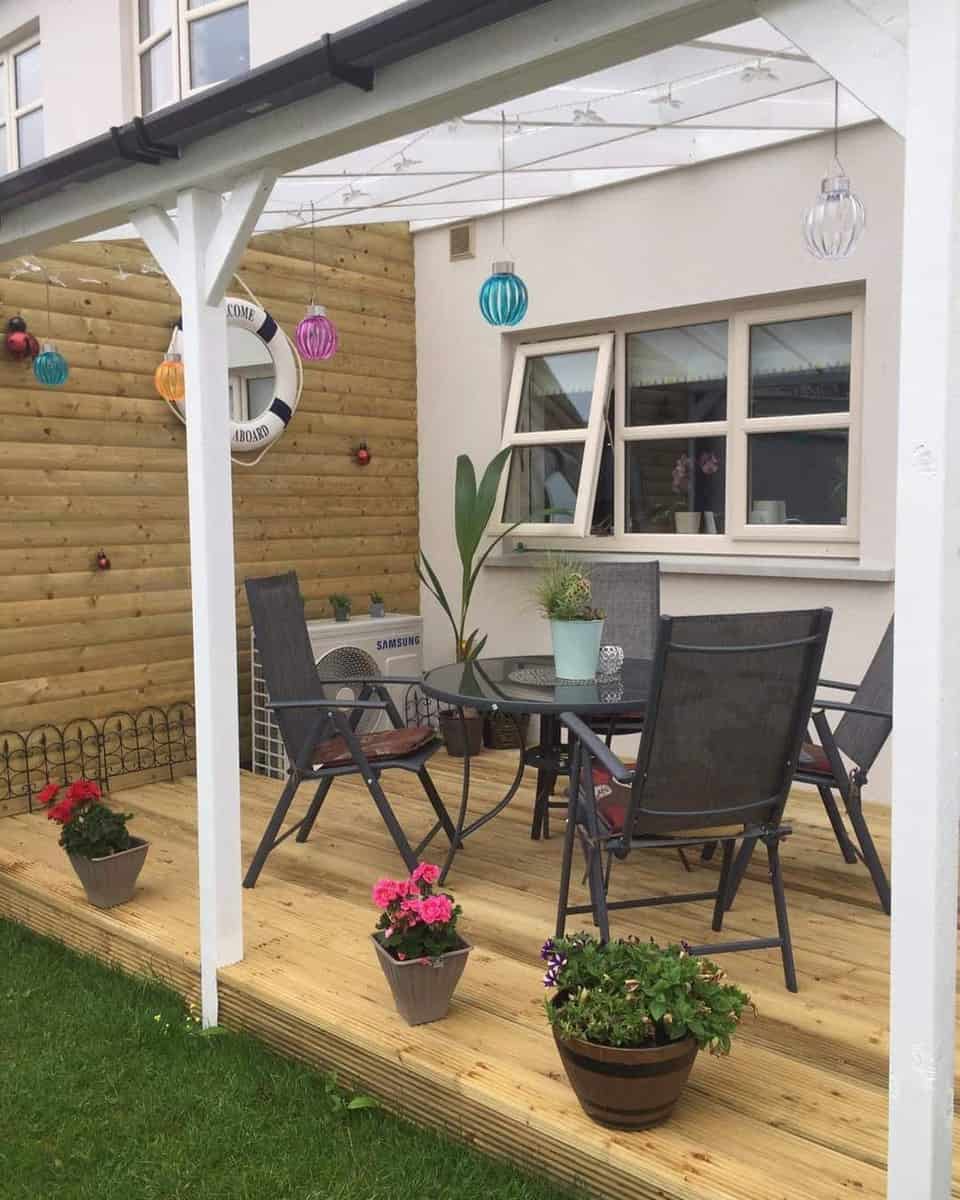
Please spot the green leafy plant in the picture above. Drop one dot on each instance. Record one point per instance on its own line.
(472, 510)
(631, 993)
(87, 826)
(339, 601)
(564, 592)
(376, 598)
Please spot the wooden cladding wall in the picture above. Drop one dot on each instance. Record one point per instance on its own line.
(101, 463)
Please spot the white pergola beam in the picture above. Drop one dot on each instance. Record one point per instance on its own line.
(552, 43)
(199, 254)
(234, 228)
(926, 702)
(854, 49)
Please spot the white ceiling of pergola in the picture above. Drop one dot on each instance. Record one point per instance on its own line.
(740, 89)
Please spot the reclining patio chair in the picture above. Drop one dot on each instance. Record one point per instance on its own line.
(860, 735)
(629, 596)
(320, 730)
(729, 701)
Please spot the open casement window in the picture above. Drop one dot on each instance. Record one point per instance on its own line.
(554, 426)
(183, 46)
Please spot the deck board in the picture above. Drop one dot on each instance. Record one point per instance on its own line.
(797, 1111)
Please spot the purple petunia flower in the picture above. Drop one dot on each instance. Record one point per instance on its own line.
(546, 950)
(552, 977)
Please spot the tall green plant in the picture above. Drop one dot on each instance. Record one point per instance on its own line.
(472, 510)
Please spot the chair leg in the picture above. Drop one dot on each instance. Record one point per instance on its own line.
(566, 868)
(598, 894)
(783, 925)
(437, 804)
(708, 851)
(271, 831)
(315, 805)
(390, 820)
(868, 849)
(836, 822)
(739, 869)
(720, 905)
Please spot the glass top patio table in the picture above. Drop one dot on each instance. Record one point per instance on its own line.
(527, 684)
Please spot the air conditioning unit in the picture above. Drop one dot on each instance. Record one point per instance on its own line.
(364, 646)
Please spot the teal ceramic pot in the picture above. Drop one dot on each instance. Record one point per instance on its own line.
(576, 648)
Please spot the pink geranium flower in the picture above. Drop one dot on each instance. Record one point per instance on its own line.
(426, 872)
(385, 891)
(436, 910)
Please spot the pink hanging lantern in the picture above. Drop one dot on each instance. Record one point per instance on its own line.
(317, 335)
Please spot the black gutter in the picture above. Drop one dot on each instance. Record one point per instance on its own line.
(350, 57)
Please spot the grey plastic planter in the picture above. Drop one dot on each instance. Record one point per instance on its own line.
(111, 881)
(422, 987)
(377, 610)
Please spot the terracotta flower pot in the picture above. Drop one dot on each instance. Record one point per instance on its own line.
(422, 987)
(110, 881)
(627, 1089)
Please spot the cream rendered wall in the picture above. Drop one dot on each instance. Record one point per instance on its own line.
(715, 232)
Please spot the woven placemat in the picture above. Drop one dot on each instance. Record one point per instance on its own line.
(543, 677)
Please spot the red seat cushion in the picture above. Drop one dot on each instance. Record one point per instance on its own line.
(814, 761)
(389, 743)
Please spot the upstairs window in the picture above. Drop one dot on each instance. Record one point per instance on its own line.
(736, 433)
(21, 102)
(185, 45)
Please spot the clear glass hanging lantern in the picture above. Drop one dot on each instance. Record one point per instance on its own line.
(832, 226)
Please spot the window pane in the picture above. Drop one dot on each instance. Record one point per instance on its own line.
(677, 375)
(259, 395)
(666, 480)
(219, 46)
(154, 17)
(601, 523)
(543, 477)
(156, 76)
(28, 76)
(800, 367)
(3, 89)
(798, 478)
(30, 137)
(557, 390)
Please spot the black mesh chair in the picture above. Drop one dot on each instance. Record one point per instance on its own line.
(320, 732)
(629, 595)
(729, 702)
(860, 735)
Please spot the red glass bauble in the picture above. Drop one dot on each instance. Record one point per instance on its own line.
(18, 344)
(362, 455)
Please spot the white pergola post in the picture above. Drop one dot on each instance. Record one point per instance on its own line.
(926, 702)
(199, 256)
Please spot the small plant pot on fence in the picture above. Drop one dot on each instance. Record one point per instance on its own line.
(422, 987)
(111, 880)
(462, 737)
(505, 731)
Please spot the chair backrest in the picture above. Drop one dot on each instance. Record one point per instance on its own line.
(729, 700)
(860, 737)
(629, 594)
(286, 657)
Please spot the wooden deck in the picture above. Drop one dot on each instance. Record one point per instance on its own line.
(798, 1111)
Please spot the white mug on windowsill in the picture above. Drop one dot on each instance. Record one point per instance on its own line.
(768, 512)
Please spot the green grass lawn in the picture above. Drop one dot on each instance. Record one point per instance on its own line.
(109, 1092)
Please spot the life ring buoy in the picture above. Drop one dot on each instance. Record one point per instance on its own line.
(263, 430)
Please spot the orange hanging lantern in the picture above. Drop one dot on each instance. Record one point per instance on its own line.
(168, 379)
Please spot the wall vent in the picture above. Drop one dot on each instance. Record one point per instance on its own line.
(461, 241)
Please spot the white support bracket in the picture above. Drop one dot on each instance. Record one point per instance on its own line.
(199, 255)
(862, 56)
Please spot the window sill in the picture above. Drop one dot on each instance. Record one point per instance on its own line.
(719, 564)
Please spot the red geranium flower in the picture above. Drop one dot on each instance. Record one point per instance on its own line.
(48, 794)
(82, 790)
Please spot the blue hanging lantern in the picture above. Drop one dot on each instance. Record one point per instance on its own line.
(503, 297)
(50, 367)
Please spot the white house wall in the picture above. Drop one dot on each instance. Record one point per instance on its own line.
(718, 232)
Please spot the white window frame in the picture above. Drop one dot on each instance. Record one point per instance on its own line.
(739, 537)
(181, 17)
(15, 112)
(590, 436)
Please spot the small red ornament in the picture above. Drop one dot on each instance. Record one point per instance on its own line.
(103, 563)
(16, 325)
(362, 454)
(18, 344)
(34, 346)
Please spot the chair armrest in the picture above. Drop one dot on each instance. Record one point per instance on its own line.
(326, 703)
(836, 686)
(597, 747)
(836, 706)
